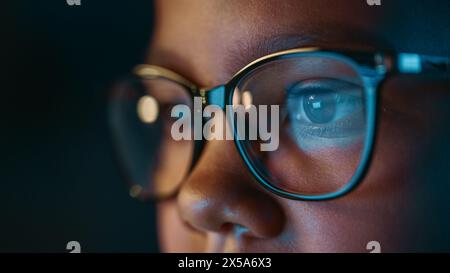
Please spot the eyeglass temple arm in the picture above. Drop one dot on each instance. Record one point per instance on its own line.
(154, 71)
(214, 96)
(410, 63)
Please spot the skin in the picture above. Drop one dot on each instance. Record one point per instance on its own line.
(402, 201)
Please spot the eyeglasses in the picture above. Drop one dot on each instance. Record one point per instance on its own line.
(327, 121)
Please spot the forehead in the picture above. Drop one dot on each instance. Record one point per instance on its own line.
(197, 38)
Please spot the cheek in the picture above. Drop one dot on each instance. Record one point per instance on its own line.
(410, 127)
(390, 206)
(373, 212)
(318, 172)
(173, 234)
(346, 226)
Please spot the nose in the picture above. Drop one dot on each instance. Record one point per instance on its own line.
(220, 196)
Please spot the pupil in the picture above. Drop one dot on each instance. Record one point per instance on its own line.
(320, 108)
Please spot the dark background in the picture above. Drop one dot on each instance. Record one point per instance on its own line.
(59, 181)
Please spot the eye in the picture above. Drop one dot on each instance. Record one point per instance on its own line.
(328, 108)
(320, 106)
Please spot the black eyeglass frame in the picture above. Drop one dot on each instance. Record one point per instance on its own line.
(374, 67)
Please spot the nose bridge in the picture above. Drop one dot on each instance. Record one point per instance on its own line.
(213, 96)
(221, 192)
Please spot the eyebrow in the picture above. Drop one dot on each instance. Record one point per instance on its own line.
(334, 35)
(242, 54)
(248, 50)
(235, 57)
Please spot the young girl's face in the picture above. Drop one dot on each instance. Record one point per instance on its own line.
(402, 202)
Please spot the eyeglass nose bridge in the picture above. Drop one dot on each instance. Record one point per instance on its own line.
(214, 96)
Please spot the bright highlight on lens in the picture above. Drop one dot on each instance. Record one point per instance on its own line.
(147, 109)
(247, 99)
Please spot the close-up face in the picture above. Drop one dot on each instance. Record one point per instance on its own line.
(401, 200)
